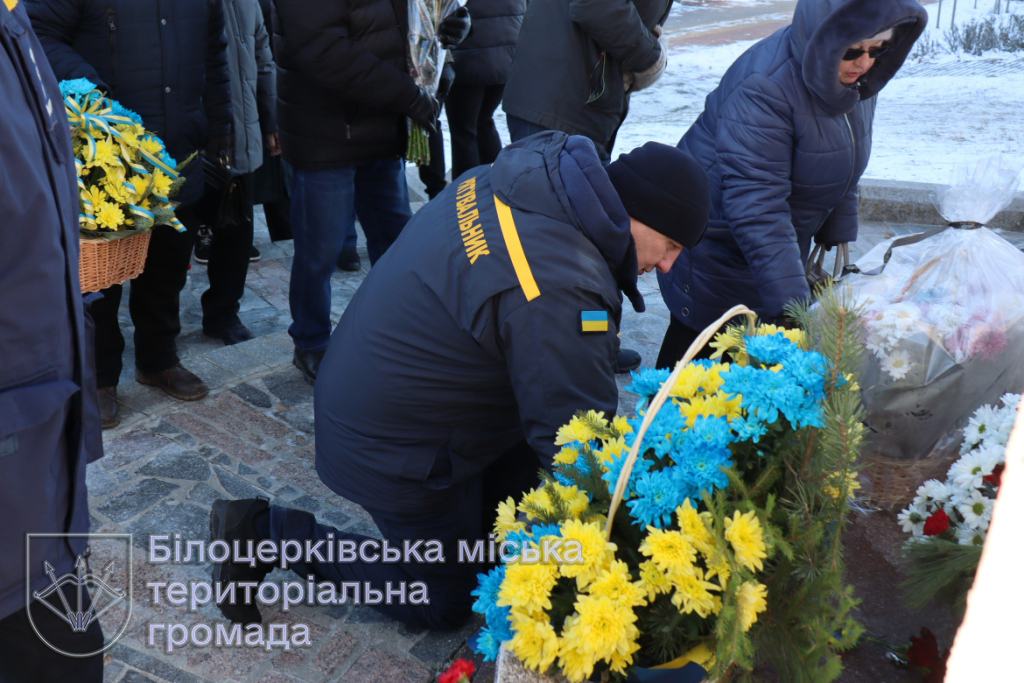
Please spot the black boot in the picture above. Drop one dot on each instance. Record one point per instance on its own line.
(231, 521)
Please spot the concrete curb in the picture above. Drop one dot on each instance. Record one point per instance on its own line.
(897, 201)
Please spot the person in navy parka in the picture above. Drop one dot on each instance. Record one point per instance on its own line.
(49, 420)
(784, 139)
(485, 326)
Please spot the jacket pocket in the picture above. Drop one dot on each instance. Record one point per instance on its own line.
(32, 403)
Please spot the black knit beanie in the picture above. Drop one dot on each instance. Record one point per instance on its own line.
(664, 188)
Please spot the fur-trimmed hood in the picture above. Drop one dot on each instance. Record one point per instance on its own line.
(822, 30)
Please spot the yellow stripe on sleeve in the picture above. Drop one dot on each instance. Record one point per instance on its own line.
(515, 250)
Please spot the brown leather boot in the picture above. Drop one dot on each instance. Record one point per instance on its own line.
(109, 408)
(176, 381)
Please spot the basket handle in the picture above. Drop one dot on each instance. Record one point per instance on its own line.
(659, 400)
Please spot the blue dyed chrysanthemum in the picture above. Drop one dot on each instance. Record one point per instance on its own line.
(647, 382)
(76, 87)
(657, 497)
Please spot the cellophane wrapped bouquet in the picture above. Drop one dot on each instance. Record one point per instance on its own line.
(126, 179)
(728, 540)
(944, 318)
(948, 520)
(426, 61)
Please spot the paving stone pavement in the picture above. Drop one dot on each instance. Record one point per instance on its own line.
(253, 435)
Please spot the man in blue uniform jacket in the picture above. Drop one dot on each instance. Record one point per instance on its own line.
(489, 322)
(49, 420)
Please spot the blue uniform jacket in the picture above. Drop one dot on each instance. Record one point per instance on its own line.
(466, 337)
(784, 144)
(49, 420)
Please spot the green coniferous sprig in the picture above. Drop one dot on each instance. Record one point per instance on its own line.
(939, 569)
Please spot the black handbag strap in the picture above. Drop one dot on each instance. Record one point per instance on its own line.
(899, 242)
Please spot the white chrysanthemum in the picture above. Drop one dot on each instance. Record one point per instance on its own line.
(878, 345)
(976, 510)
(969, 536)
(967, 472)
(912, 520)
(972, 435)
(1011, 401)
(897, 364)
(933, 491)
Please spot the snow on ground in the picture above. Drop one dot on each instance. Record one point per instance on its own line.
(927, 119)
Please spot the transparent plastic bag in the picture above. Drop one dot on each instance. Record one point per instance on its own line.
(944, 315)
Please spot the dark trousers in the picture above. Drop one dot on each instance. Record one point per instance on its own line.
(25, 658)
(432, 174)
(520, 128)
(152, 302)
(228, 266)
(475, 139)
(468, 517)
(678, 338)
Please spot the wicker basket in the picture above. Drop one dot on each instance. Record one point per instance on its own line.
(102, 263)
(892, 483)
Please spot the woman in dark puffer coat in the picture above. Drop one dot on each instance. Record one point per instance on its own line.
(784, 139)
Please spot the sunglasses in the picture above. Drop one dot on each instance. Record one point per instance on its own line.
(873, 53)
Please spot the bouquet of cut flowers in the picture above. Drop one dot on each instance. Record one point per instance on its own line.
(948, 520)
(734, 479)
(426, 61)
(125, 177)
(944, 316)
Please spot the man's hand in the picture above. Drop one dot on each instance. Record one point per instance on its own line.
(423, 111)
(218, 149)
(273, 143)
(633, 81)
(454, 28)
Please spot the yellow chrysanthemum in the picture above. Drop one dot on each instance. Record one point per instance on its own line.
(527, 586)
(576, 500)
(113, 187)
(670, 550)
(505, 523)
(745, 535)
(161, 183)
(653, 579)
(751, 600)
(615, 583)
(693, 594)
(595, 553)
(797, 336)
(95, 195)
(536, 498)
(689, 381)
(601, 630)
(109, 216)
(831, 489)
(129, 136)
(692, 526)
(534, 642)
(106, 154)
(151, 146)
(621, 425)
(613, 448)
(578, 430)
(718, 565)
(566, 456)
(724, 341)
(576, 666)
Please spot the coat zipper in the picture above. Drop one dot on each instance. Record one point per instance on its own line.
(113, 49)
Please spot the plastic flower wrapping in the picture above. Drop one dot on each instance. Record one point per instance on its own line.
(426, 59)
(708, 529)
(948, 520)
(944, 320)
(126, 179)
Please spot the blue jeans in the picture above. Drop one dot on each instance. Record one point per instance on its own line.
(325, 205)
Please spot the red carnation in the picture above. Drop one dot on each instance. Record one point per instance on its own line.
(996, 477)
(936, 523)
(459, 672)
(923, 654)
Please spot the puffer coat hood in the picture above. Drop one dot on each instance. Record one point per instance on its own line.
(784, 144)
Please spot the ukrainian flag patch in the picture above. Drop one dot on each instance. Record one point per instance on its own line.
(593, 321)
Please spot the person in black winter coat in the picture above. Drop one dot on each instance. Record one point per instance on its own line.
(784, 138)
(577, 62)
(49, 423)
(486, 326)
(482, 63)
(344, 100)
(167, 63)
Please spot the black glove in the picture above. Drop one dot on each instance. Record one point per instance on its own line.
(444, 86)
(423, 111)
(218, 149)
(454, 28)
